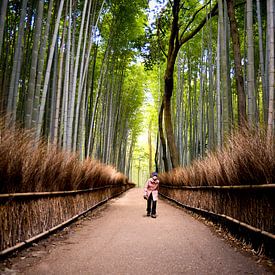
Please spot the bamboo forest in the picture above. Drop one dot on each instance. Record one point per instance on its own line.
(95, 95)
(91, 76)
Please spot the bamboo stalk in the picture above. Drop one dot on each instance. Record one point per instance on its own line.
(245, 225)
(263, 186)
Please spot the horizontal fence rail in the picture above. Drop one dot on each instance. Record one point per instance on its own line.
(249, 206)
(51, 194)
(231, 187)
(27, 217)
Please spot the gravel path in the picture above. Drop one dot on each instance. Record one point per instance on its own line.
(124, 241)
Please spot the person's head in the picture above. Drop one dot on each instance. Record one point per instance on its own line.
(154, 175)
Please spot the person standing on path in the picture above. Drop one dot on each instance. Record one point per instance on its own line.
(151, 194)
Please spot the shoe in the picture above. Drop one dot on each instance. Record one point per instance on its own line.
(148, 214)
(153, 216)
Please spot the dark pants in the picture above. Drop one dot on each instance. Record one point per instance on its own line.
(151, 205)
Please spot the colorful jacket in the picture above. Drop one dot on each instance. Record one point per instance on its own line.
(151, 186)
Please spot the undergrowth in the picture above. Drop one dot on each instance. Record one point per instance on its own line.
(246, 159)
(28, 166)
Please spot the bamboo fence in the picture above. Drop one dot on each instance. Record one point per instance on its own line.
(26, 217)
(250, 207)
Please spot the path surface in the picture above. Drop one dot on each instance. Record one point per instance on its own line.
(124, 241)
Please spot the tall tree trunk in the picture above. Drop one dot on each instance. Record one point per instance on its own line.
(48, 71)
(211, 132)
(2, 21)
(237, 61)
(66, 86)
(130, 156)
(23, 75)
(156, 158)
(223, 72)
(162, 138)
(85, 70)
(88, 93)
(54, 108)
(16, 68)
(195, 118)
(36, 39)
(108, 105)
(189, 108)
(266, 71)
(179, 120)
(186, 129)
(40, 67)
(98, 93)
(271, 68)
(228, 67)
(89, 103)
(86, 65)
(250, 64)
(201, 102)
(219, 109)
(262, 63)
(57, 119)
(81, 132)
(75, 74)
(150, 147)
(6, 70)
(71, 96)
(80, 84)
(173, 48)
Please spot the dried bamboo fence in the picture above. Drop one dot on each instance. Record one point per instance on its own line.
(248, 210)
(26, 217)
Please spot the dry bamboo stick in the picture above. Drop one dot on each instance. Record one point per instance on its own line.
(263, 186)
(245, 225)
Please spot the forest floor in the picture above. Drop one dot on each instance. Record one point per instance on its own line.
(118, 238)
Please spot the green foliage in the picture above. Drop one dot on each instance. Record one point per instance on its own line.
(124, 21)
(154, 95)
(133, 97)
(157, 34)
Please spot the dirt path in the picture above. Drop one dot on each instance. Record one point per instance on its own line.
(122, 240)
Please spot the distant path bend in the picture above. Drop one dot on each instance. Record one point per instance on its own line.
(124, 241)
